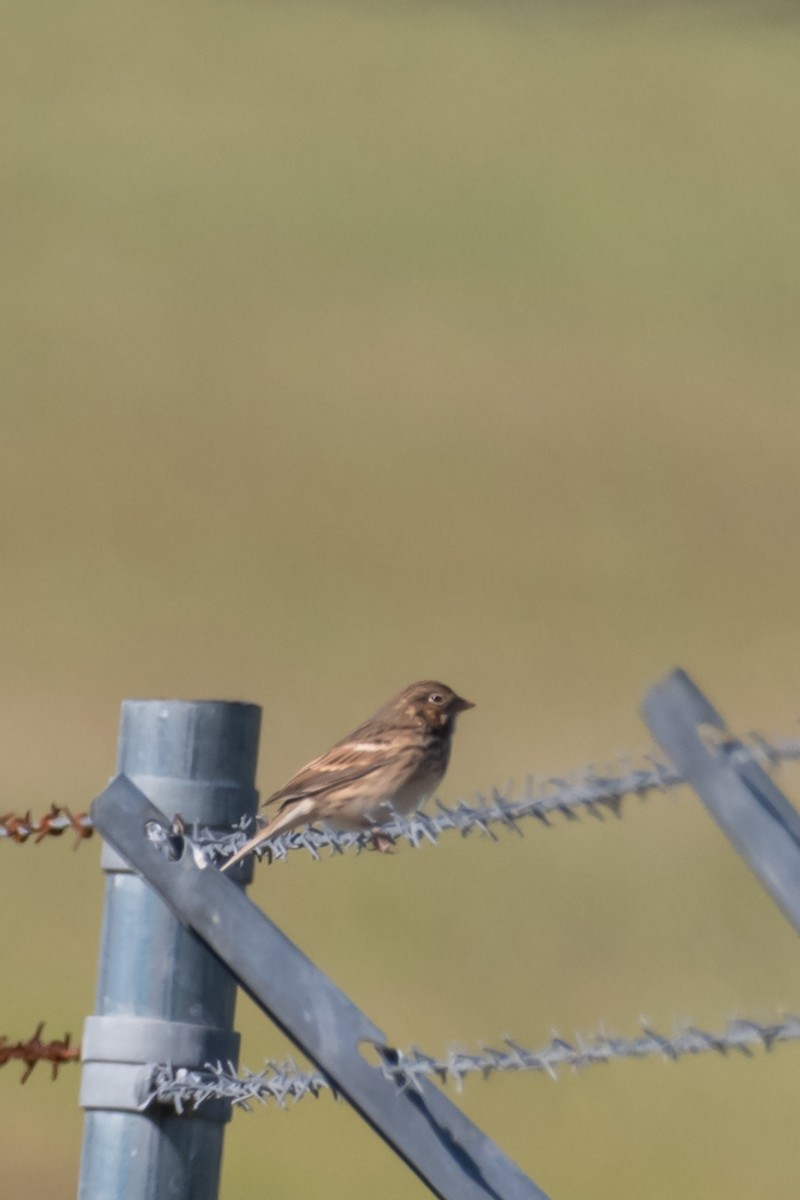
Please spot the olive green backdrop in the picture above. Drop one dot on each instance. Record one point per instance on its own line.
(345, 344)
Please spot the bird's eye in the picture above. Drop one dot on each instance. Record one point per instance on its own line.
(436, 698)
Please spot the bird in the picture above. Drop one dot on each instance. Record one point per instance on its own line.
(390, 763)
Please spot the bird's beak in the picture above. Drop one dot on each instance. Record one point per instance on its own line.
(462, 705)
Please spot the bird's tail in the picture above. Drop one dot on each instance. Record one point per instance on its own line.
(246, 849)
(287, 818)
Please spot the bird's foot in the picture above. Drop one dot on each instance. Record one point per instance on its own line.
(382, 842)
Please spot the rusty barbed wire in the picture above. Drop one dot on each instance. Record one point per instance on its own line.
(281, 1082)
(588, 792)
(34, 1050)
(53, 824)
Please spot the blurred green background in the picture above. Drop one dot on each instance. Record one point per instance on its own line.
(347, 344)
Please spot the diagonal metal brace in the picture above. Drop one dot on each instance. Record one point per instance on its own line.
(751, 810)
(452, 1156)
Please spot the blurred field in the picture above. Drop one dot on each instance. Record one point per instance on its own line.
(344, 345)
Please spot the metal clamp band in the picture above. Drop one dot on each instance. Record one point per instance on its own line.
(118, 1054)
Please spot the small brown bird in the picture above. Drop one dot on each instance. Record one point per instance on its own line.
(394, 761)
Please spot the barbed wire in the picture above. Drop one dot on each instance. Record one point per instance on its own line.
(281, 1082)
(34, 1050)
(19, 828)
(591, 792)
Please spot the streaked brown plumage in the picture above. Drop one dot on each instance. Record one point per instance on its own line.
(395, 760)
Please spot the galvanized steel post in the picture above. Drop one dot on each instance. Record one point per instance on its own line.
(162, 995)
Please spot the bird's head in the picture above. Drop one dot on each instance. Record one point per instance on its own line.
(435, 703)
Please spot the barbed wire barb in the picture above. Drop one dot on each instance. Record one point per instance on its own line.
(57, 1052)
(54, 823)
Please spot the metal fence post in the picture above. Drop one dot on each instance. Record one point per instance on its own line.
(161, 994)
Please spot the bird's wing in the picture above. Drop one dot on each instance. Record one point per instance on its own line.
(342, 765)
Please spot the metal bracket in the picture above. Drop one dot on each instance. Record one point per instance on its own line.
(452, 1156)
(118, 1054)
(749, 808)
